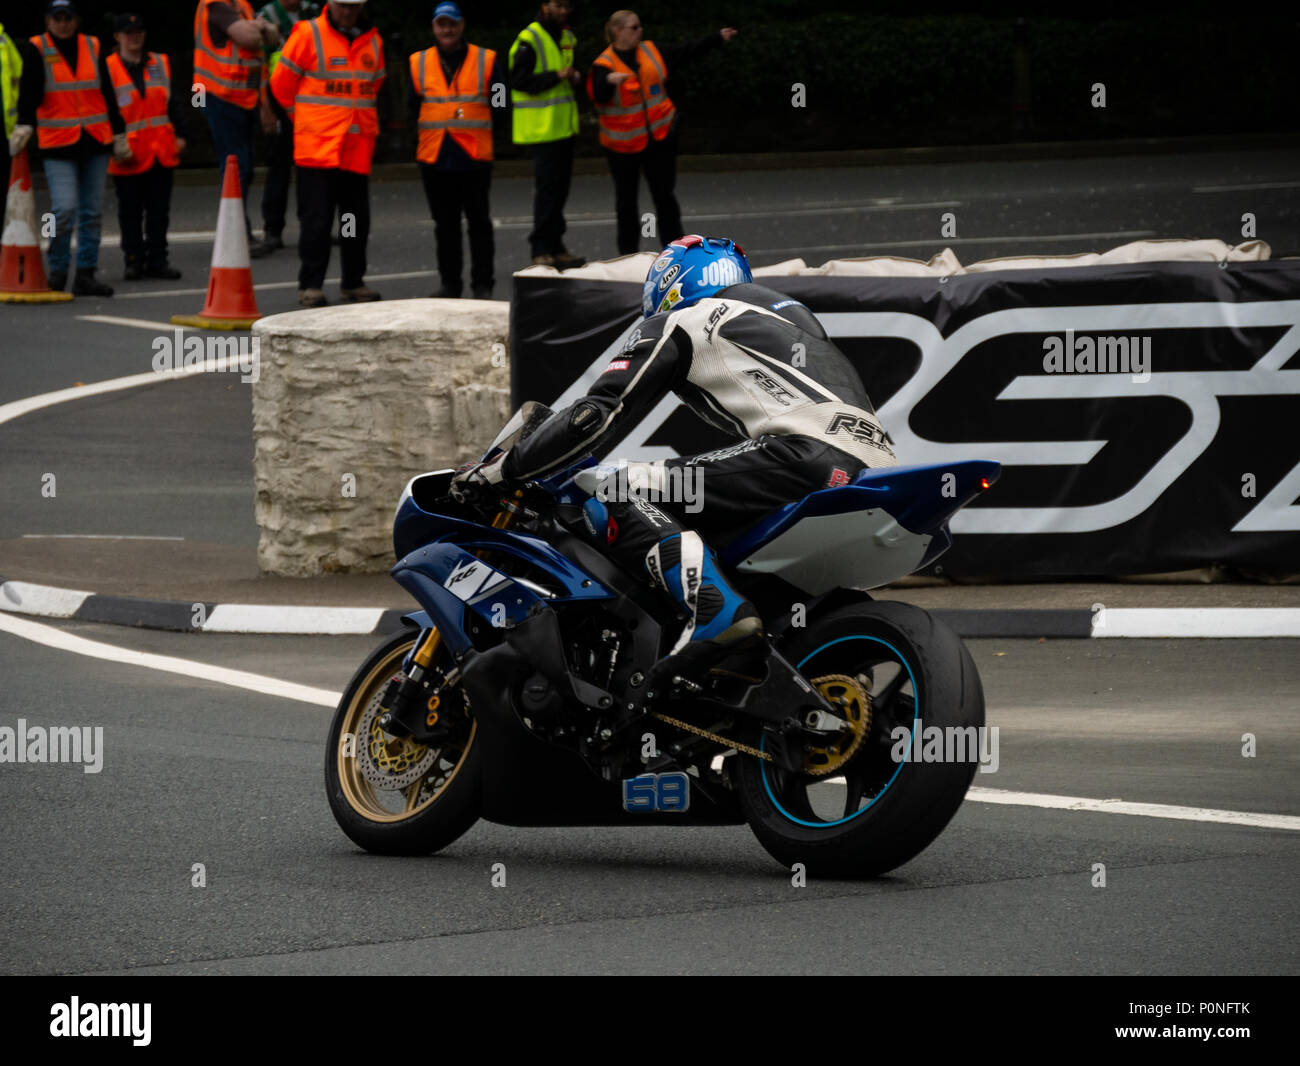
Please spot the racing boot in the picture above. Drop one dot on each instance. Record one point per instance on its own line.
(724, 627)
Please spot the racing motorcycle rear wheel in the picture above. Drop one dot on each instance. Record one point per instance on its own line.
(395, 796)
(863, 808)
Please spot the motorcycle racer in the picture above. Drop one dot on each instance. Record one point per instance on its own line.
(748, 360)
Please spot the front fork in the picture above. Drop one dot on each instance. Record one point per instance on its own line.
(410, 704)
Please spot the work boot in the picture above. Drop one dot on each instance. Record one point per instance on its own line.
(545, 259)
(260, 249)
(84, 284)
(722, 622)
(481, 292)
(134, 268)
(273, 241)
(566, 260)
(312, 298)
(362, 294)
(162, 270)
(58, 280)
(446, 292)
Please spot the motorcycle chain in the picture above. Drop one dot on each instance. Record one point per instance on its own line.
(766, 756)
(716, 738)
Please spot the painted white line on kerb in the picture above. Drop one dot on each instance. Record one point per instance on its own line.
(94, 649)
(1196, 622)
(268, 618)
(45, 600)
(1143, 810)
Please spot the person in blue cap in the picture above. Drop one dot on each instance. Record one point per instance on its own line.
(451, 95)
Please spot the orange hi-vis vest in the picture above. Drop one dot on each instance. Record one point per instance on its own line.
(640, 108)
(461, 108)
(231, 73)
(148, 129)
(73, 100)
(329, 85)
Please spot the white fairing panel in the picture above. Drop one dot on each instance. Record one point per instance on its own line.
(860, 549)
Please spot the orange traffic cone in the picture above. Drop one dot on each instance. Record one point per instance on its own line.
(230, 303)
(22, 277)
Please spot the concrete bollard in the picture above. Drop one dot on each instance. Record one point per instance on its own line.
(352, 401)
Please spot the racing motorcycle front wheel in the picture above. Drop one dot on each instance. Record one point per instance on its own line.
(395, 796)
(877, 797)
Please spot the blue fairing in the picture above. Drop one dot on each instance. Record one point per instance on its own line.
(443, 570)
(920, 498)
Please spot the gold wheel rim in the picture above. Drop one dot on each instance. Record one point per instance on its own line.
(362, 795)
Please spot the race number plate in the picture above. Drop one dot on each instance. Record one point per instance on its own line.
(657, 792)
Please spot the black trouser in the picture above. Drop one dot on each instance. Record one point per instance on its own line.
(552, 173)
(659, 161)
(279, 172)
(143, 213)
(322, 194)
(451, 192)
(726, 491)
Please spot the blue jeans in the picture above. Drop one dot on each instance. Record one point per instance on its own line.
(77, 200)
(233, 133)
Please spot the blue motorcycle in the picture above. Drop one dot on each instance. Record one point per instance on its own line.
(518, 693)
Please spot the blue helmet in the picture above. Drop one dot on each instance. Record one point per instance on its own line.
(691, 269)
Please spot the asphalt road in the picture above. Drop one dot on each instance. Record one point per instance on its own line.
(96, 874)
(98, 867)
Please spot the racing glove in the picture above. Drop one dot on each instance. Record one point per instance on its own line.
(473, 479)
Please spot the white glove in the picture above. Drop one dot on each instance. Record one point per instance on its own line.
(19, 138)
(121, 147)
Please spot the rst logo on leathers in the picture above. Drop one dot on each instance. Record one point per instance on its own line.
(862, 430)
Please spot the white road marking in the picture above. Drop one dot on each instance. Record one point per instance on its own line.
(94, 649)
(1196, 622)
(1144, 810)
(1243, 188)
(137, 323)
(269, 618)
(45, 600)
(120, 295)
(18, 408)
(95, 536)
(272, 686)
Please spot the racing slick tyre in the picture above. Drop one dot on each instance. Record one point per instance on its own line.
(870, 803)
(396, 796)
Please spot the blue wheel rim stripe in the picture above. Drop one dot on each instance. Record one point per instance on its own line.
(902, 762)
